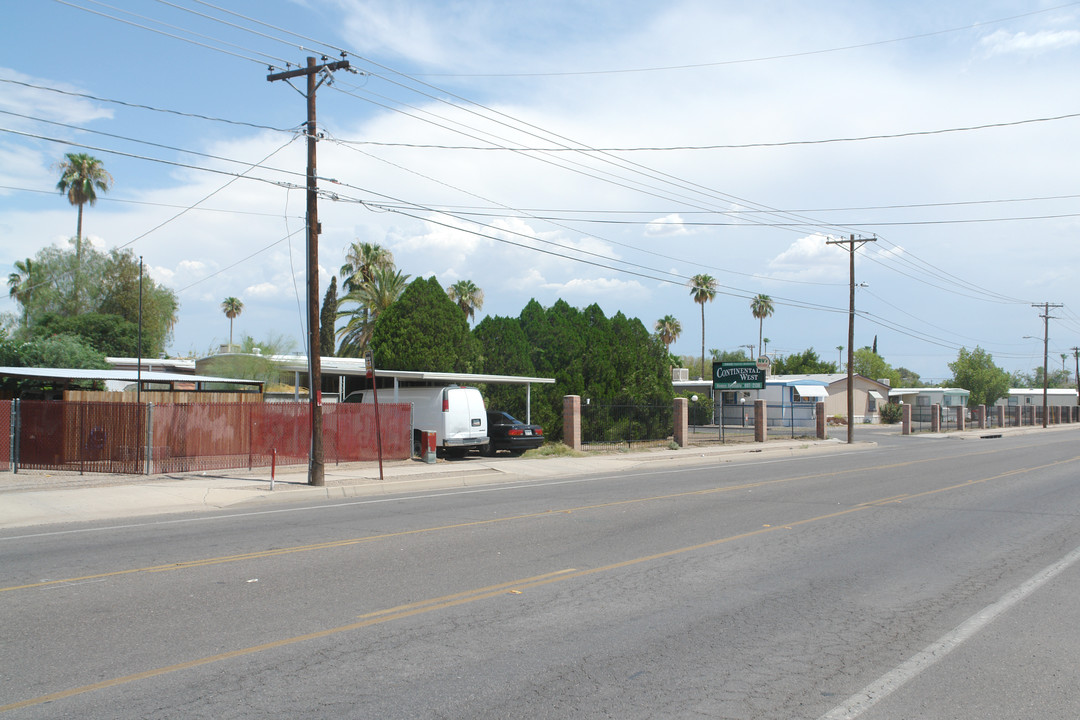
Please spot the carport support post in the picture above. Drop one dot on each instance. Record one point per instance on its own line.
(905, 419)
(760, 424)
(572, 421)
(822, 426)
(681, 421)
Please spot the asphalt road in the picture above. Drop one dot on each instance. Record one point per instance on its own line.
(925, 578)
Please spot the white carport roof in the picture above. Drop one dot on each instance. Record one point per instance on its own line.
(130, 376)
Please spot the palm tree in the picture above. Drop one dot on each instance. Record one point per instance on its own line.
(840, 355)
(764, 346)
(21, 286)
(361, 261)
(468, 297)
(668, 329)
(81, 177)
(761, 307)
(703, 290)
(372, 298)
(231, 307)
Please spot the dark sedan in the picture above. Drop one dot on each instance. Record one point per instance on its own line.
(506, 432)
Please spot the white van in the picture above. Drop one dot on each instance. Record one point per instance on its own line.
(454, 412)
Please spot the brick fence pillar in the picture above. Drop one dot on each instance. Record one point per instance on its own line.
(980, 416)
(961, 417)
(905, 419)
(760, 421)
(681, 418)
(935, 418)
(1000, 410)
(571, 419)
(822, 425)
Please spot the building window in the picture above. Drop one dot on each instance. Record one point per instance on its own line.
(922, 399)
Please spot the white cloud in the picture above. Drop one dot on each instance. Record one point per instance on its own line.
(1003, 42)
(592, 287)
(809, 259)
(44, 104)
(262, 290)
(666, 226)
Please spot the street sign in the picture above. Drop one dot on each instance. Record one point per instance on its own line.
(737, 376)
(763, 362)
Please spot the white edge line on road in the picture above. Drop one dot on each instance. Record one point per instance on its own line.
(891, 681)
(502, 487)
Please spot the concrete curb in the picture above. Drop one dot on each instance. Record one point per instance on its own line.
(24, 505)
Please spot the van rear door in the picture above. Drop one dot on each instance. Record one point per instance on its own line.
(464, 416)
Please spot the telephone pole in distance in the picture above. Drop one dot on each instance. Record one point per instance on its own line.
(853, 243)
(315, 464)
(1046, 349)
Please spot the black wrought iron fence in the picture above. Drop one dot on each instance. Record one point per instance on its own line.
(922, 417)
(622, 427)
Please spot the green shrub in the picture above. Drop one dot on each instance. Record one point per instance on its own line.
(891, 413)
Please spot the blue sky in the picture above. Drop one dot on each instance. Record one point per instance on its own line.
(595, 152)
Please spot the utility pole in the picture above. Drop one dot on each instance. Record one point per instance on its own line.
(1076, 355)
(853, 243)
(1046, 349)
(315, 463)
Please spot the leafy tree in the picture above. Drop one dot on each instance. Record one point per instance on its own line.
(58, 351)
(328, 320)
(112, 289)
(729, 355)
(21, 286)
(976, 372)
(869, 364)
(249, 364)
(668, 329)
(612, 361)
(504, 350)
(118, 294)
(232, 307)
(1034, 379)
(909, 378)
(111, 335)
(761, 307)
(468, 297)
(371, 298)
(424, 331)
(362, 259)
(703, 290)
(805, 363)
(81, 178)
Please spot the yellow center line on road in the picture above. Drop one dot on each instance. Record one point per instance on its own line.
(401, 612)
(276, 552)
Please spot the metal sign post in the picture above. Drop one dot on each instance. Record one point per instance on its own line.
(369, 369)
(736, 376)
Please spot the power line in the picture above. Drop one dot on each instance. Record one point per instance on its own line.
(151, 108)
(738, 146)
(147, 203)
(767, 58)
(162, 32)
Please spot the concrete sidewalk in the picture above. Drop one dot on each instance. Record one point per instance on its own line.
(31, 498)
(39, 498)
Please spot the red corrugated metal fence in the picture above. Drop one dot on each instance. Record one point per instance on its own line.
(115, 437)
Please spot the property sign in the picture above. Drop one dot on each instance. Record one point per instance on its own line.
(737, 376)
